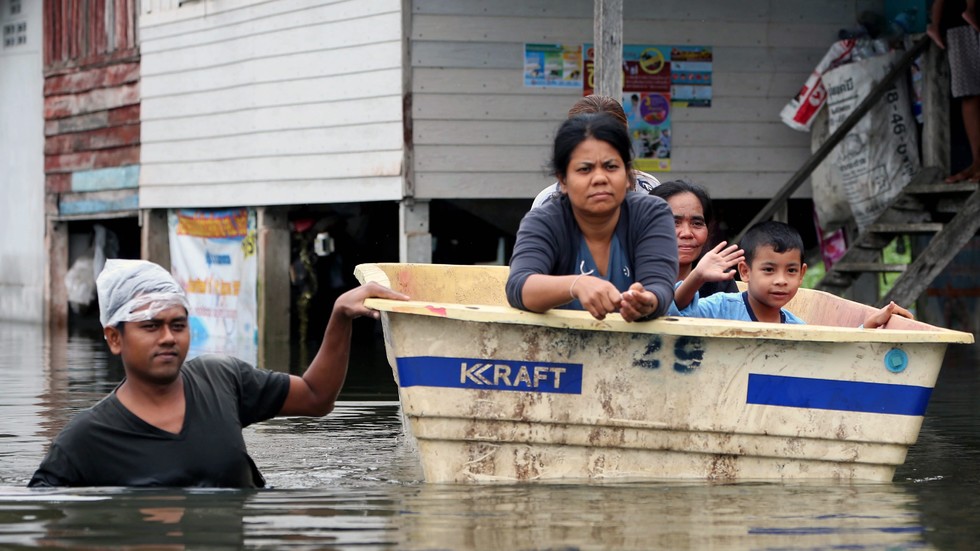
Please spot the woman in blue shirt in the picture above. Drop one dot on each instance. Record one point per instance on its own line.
(598, 248)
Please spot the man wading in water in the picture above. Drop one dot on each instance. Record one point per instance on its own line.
(177, 424)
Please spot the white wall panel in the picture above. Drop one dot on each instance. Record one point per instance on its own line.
(472, 115)
(285, 102)
(22, 250)
(276, 168)
(312, 191)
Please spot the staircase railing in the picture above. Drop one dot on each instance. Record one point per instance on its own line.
(850, 122)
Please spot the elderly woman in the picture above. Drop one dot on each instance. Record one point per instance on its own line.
(598, 247)
(715, 271)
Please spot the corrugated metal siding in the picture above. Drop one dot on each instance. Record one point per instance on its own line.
(478, 132)
(287, 102)
(91, 105)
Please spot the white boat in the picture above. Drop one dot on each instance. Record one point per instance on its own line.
(495, 394)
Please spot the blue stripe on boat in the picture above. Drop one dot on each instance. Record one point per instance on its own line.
(490, 374)
(799, 392)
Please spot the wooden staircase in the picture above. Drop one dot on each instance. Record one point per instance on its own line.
(949, 213)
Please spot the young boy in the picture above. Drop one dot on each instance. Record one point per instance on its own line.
(773, 269)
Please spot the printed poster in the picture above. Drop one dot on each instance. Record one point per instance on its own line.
(648, 114)
(646, 100)
(683, 72)
(690, 76)
(553, 65)
(657, 79)
(213, 258)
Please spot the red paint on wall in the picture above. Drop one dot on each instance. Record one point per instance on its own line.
(91, 88)
(99, 99)
(101, 138)
(88, 160)
(90, 79)
(57, 183)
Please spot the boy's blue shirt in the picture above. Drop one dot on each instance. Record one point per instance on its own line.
(730, 306)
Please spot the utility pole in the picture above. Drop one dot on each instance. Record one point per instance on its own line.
(608, 40)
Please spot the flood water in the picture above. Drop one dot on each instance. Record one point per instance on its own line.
(351, 480)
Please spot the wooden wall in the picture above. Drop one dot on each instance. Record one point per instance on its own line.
(478, 132)
(269, 103)
(91, 107)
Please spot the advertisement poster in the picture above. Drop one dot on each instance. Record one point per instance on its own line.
(683, 72)
(553, 65)
(690, 76)
(646, 100)
(213, 258)
(648, 114)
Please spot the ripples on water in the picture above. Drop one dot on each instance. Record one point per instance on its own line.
(352, 480)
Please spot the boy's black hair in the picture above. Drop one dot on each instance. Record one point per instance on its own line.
(780, 236)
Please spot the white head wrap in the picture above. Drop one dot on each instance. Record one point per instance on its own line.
(136, 290)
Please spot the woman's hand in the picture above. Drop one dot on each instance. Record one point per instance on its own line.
(719, 263)
(637, 303)
(597, 296)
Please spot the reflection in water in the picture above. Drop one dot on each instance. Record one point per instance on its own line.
(659, 516)
(419, 516)
(110, 518)
(352, 480)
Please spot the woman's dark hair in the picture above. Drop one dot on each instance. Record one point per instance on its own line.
(601, 126)
(594, 103)
(669, 189)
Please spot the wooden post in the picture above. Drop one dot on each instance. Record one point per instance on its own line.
(155, 237)
(55, 292)
(935, 109)
(408, 132)
(273, 288)
(608, 30)
(935, 142)
(414, 239)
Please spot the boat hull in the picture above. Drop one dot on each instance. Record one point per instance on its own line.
(536, 400)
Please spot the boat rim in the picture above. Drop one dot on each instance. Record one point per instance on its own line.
(668, 325)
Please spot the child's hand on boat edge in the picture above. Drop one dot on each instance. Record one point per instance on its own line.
(881, 317)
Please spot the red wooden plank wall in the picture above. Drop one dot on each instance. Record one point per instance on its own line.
(91, 87)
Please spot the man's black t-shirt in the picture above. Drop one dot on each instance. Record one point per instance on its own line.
(108, 445)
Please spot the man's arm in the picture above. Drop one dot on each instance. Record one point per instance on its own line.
(315, 393)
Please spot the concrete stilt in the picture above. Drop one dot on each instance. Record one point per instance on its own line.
(414, 239)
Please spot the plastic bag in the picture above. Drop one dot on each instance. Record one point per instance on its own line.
(800, 112)
(80, 282)
(879, 156)
(136, 290)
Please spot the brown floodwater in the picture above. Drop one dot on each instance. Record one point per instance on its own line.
(352, 480)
